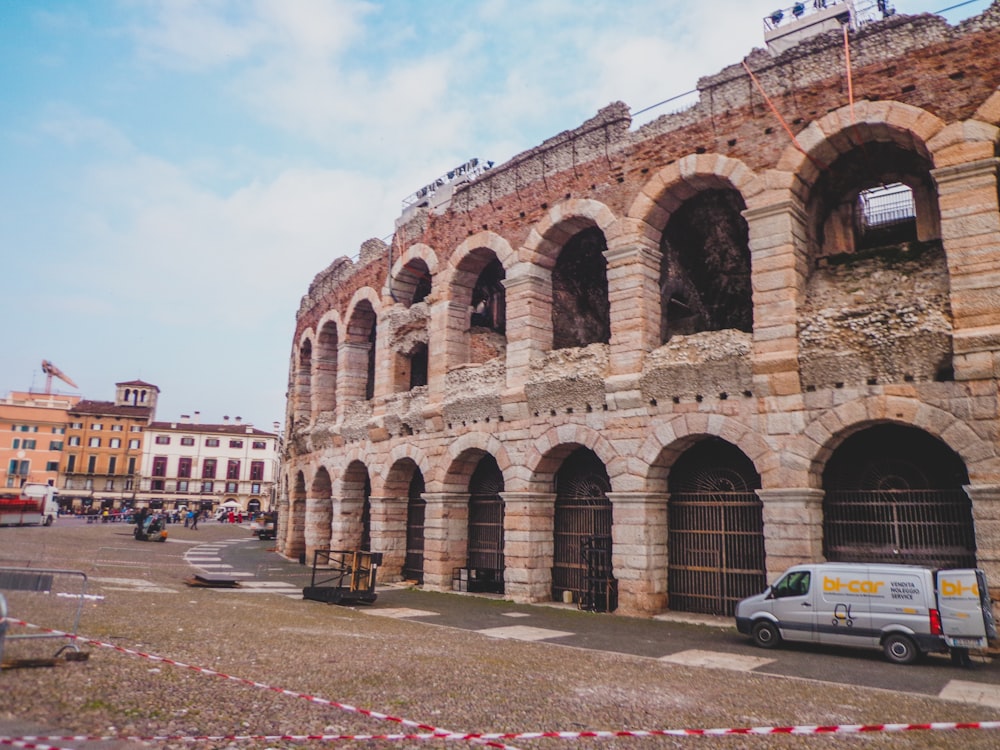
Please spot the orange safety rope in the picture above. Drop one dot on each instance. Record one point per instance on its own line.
(781, 119)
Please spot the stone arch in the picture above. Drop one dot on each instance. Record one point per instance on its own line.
(295, 525)
(551, 449)
(302, 379)
(666, 190)
(325, 361)
(463, 455)
(407, 275)
(351, 525)
(361, 345)
(669, 439)
(319, 513)
(830, 428)
(547, 238)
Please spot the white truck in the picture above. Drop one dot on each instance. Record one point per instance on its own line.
(904, 610)
(36, 504)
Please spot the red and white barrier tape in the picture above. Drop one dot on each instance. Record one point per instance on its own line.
(805, 729)
(435, 731)
(491, 739)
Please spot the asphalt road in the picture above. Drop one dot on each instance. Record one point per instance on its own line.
(711, 642)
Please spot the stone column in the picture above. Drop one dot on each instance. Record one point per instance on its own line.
(639, 550)
(634, 296)
(353, 372)
(986, 518)
(446, 531)
(317, 526)
(970, 233)
(449, 345)
(777, 242)
(389, 535)
(529, 320)
(528, 545)
(793, 528)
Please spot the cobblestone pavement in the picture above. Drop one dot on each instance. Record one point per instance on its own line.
(451, 678)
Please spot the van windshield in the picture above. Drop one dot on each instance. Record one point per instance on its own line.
(795, 583)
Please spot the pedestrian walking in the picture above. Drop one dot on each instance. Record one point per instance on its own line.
(194, 518)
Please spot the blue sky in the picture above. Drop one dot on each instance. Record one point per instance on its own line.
(173, 173)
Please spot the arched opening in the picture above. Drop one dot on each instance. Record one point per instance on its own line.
(581, 561)
(416, 506)
(296, 530)
(302, 398)
(320, 515)
(705, 269)
(486, 537)
(353, 522)
(489, 303)
(716, 529)
(362, 336)
(894, 495)
(325, 380)
(413, 283)
(581, 311)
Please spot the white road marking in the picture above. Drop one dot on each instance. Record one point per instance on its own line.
(523, 633)
(716, 660)
(399, 612)
(964, 691)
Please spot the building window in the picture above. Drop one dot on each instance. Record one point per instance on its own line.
(212, 442)
(94, 442)
(206, 486)
(255, 488)
(88, 484)
(55, 445)
(208, 468)
(160, 466)
(135, 428)
(231, 486)
(235, 443)
(16, 444)
(132, 444)
(184, 467)
(96, 427)
(162, 440)
(76, 425)
(71, 464)
(110, 484)
(58, 430)
(52, 466)
(128, 484)
(156, 485)
(116, 442)
(187, 441)
(112, 464)
(116, 428)
(256, 470)
(182, 485)
(258, 445)
(131, 466)
(74, 440)
(29, 445)
(91, 465)
(233, 470)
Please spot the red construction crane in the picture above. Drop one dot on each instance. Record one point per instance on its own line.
(51, 370)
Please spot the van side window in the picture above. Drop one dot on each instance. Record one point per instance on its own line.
(794, 584)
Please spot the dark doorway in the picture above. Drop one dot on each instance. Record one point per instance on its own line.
(413, 567)
(486, 527)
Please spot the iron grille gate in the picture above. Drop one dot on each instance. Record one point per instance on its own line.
(416, 509)
(920, 527)
(716, 548)
(577, 520)
(486, 542)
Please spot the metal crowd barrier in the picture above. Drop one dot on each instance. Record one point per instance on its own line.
(50, 598)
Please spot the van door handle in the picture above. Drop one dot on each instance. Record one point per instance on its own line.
(806, 604)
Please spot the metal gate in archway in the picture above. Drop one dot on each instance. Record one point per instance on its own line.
(716, 531)
(413, 565)
(486, 539)
(582, 533)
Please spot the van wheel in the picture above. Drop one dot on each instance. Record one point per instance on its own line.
(48, 520)
(765, 634)
(900, 649)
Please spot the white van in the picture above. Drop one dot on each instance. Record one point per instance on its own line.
(905, 610)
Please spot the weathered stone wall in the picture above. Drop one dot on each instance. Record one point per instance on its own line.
(911, 338)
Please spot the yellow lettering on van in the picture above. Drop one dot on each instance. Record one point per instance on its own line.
(854, 586)
(955, 588)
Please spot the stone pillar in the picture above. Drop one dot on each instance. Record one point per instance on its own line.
(317, 526)
(639, 551)
(389, 535)
(528, 545)
(793, 528)
(986, 518)
(446, 531)
(353, 374)
(448, 347)
(777, 243)
(529, 320)
(634, 295)
(345, 523)
(970, 233)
